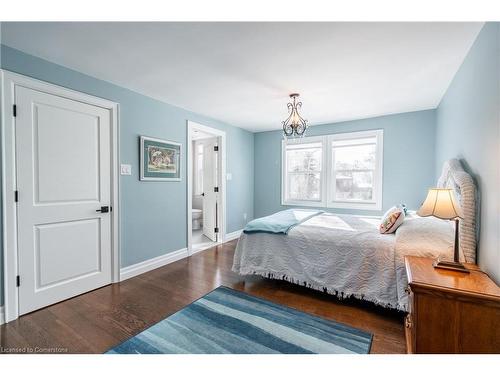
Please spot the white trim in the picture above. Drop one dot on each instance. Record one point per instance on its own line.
(208, 245)
(162, 260)
(9, 81)
(141, 167)
(233, 235)
(327, 177)
(2, 315)
(115, 196)
(151, 264)
(191, 126)
(197, 248)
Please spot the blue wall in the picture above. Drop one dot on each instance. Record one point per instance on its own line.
(468, 128)
(408, 160)
(153, 214)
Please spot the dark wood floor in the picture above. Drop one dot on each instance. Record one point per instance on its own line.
(99, 320)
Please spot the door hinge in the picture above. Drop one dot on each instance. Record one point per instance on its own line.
(216, 230)
(216, 148)
(16, 196)
(216, 189)
(18, 280)
(14, 110)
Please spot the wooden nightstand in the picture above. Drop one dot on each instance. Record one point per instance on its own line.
(449, 311)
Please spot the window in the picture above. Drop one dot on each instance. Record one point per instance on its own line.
(356, 170)
(339, 170)
(303, 163)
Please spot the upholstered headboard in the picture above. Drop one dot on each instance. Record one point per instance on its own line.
(454, 177)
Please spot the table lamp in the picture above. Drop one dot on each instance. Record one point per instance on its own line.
(442, 204)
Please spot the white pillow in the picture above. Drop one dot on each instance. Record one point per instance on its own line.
(392, 219)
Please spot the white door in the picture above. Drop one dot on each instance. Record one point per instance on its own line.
(63, 179)
(209, 184)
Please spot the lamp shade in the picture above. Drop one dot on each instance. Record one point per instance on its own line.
(441, 203)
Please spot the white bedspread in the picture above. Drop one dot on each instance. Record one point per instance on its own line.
(425, 237)
(344, 255)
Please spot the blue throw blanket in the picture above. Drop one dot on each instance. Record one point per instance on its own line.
(280, 222)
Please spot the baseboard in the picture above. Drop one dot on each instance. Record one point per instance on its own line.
(229, 237)
(233, 235)
(2, 315)
(151, 264)
(162, 260)
(196, 250)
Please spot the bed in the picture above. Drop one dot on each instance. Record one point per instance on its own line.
(345, 255)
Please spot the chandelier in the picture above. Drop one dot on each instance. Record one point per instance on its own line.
(294, 125)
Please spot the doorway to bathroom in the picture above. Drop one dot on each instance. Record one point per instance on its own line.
(206, 187)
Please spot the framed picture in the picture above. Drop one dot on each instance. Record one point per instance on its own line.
(160, 160)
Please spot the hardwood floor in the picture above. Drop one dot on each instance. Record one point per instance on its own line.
(101, 319)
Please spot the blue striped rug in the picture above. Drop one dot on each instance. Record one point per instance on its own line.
(228, 321)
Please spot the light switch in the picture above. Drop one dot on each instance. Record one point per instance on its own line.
(229, 176)
(125, 169)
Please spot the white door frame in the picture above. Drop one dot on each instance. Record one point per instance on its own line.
(9, 81)
(221, 135)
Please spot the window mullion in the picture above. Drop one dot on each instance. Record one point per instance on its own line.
(329, 173)
(333, 187)
(326, 169)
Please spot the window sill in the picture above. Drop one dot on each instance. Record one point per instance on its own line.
(343, 205)
(372, 206)
(303, 203)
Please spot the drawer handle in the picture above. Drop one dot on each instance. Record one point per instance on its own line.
(407, 290)
(408, 322)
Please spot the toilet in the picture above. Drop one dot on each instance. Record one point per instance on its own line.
(197, 218)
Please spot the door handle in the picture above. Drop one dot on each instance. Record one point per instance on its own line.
(103, 209)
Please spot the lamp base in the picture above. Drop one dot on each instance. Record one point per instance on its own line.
(447, 265)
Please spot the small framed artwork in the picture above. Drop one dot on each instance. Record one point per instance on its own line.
(160, 160)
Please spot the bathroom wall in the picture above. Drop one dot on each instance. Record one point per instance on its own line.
(196, 199)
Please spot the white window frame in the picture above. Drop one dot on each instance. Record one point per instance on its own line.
(323, 175)
(328, 174)
(376, 202)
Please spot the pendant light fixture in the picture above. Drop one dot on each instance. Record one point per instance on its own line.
(294, 125)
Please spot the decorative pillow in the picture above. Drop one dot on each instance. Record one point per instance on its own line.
(392, 219)
(403, 206)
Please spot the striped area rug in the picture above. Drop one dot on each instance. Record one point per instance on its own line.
(226, 321)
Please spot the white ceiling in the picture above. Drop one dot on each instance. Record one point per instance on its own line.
(242, 73)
